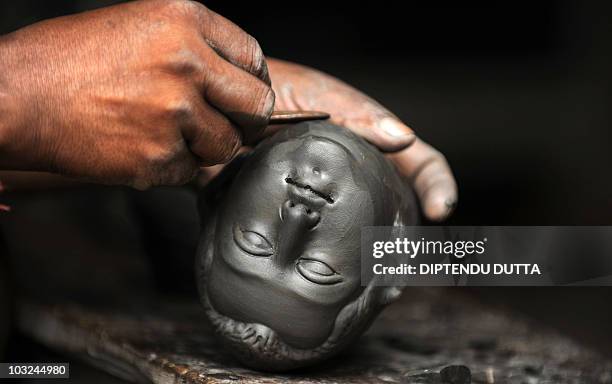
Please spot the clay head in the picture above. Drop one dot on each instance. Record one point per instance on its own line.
(279, 261)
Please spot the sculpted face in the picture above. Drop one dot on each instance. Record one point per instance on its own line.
(287, 239)
(279, 260)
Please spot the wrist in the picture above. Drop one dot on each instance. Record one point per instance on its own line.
(10, 111)
(8, 114)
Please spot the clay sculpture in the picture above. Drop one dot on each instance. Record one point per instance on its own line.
(278, 265)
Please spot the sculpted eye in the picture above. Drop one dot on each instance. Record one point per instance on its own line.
(252, 242)
(318, 272)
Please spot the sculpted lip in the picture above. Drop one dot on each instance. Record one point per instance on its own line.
(325, 196)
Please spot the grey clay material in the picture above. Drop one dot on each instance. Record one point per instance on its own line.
(278, 266)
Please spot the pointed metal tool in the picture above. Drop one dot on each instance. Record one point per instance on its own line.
(288, 117)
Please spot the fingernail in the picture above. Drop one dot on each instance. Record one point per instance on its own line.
(438, 207)
(394, 128)
(450, 208)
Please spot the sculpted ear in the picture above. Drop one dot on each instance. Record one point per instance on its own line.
(210, 196)
(383, 295)
(389, 294)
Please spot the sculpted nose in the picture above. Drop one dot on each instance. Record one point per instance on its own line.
(300, 215)
(298, 218)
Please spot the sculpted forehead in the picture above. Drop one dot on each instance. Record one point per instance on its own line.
(361, 152)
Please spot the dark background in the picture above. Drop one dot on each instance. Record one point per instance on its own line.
(516, 94)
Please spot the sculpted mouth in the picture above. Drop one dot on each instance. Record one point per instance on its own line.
(325, 196)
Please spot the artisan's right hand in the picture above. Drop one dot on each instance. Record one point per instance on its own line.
(141, 94)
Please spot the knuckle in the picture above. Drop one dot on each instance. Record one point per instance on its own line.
(164, 165)
(156, 158)
(433, 163)
(184, 62)
(178, 110)
(185, 7)
(438, 157)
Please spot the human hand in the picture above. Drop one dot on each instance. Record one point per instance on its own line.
(301, 88)
(141, 94)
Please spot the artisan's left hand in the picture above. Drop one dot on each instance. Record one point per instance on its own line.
(302, 88)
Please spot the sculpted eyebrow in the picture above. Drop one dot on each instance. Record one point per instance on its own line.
(322, 195)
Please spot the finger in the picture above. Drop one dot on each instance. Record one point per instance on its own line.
(383, 130)
(234, 44)
(243, 98)
(211, 136)
(377, 133)
(431, 178)
(351, 108)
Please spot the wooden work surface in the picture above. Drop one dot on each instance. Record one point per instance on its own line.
(426, 331)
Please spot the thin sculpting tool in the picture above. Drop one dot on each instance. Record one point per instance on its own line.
(288, 117)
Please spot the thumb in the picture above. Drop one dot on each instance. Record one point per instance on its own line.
(386, 132)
